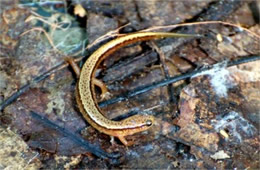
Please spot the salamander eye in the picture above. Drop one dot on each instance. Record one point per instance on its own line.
(149, 122)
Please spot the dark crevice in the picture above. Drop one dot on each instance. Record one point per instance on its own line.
(82, 21)
(215, 11)
(255, 11)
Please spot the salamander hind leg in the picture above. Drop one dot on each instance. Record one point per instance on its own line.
(74, 65)
(104, 92)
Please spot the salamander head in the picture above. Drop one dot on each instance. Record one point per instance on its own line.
(132, 125)
(143, 122)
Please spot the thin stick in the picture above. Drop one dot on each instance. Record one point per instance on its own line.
(156, 28)
(170, 80)
(77, 139)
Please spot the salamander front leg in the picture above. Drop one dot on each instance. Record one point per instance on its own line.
(104, 92)
(124, 141)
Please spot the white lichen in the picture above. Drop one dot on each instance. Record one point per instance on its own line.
(220, 79)
(238, 127)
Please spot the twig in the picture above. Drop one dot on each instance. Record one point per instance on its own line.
(26, 87)
(54, 69)
(77, 139)
(46, 34)
(171, 80)
(32, 4)
(165, 70)
(90, 49)
(156, 28)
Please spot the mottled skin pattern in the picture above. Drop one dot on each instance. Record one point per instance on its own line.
(119, 133)
(85, 89)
